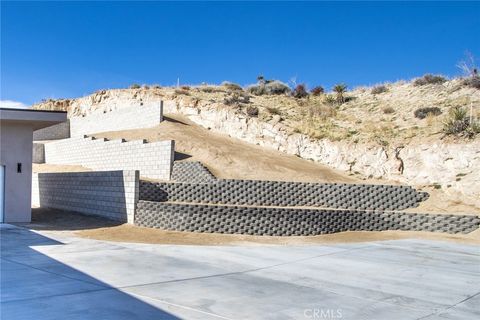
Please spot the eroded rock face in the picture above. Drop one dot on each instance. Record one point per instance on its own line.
(454, 167)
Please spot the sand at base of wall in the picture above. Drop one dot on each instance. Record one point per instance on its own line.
(103, 229)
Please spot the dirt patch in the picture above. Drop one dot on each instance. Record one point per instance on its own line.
(102, 229)
(230, 158)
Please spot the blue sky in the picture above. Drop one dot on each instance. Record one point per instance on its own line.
(69, 49)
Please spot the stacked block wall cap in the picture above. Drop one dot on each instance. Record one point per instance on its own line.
(121, 118)
(154, 160)
(287, 194)
(290, 221)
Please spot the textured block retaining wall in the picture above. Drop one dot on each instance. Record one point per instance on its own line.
(136, 117)
(291, 222)
(154, 160)
(110, 194)
(55, 132)
(279, 193)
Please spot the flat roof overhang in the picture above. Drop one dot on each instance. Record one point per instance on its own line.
(37, 119)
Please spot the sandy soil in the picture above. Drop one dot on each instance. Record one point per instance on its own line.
(102, 229)
(229, 158)
(44, 167)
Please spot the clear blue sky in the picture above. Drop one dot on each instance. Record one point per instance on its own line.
(68, 49)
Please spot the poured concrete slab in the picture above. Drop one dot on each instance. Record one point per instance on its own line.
(53, 275)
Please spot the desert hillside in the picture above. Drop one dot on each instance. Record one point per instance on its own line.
(422, 132)
(383, 114)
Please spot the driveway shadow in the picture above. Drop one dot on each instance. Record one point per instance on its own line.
(36, 286)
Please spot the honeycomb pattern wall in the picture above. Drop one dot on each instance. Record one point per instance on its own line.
(290, 221)
(279, 193)
(192, 172)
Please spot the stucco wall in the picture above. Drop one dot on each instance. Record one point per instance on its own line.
(110, 194)
(154, 160)
(16, 147)
(136, 117)
(55, 132)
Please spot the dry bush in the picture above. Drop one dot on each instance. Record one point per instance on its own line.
(473, 82)
(429, 79)
(135, 86)
(388, 110)
(269, 87)
(182, 92)
(379, 89)
(232, 86)
(185, 87)
(458, 123)
(236, 98)
(322, 112)
(210, 89)
(300, 91)
(273, 111)
(329, 100)
(252, 111)
(318, 90)
(422, 113)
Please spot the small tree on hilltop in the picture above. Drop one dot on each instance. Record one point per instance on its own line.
(340, 89)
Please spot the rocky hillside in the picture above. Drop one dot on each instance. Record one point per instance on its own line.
(395, 131)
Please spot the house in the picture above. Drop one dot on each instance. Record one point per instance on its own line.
(16, 135)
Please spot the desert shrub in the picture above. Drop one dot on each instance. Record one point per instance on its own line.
(473, 82)
(252, 111)
(185, 87)
(329, 100)
(340, 90)
(135, 86)
(146, 87)
(210, 89)
(379, 89)
(232, 86)
(236, 99)
(422, 113)
(388, 110)
(458, 123)
(156, 86)
(318, 90)
(300, 91)
(273, 111)
(182, 91)
(268, 87)
(321, 111)
(429, 79)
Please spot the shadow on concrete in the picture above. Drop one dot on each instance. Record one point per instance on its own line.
(36, 286)
(61, 220)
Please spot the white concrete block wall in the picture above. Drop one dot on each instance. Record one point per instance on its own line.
(136, 117)
(110, 194)
(154, 160)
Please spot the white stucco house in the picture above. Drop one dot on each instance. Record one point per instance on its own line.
(16, 135)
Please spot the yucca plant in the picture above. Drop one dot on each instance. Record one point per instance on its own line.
(340, 90)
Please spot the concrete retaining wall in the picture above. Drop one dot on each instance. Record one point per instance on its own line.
(55, 132)
(154, 160)
(110, 194)
(280, 193)
(136, 117)
(38, 153)
(291, 222)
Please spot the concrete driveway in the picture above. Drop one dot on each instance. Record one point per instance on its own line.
(51, 275)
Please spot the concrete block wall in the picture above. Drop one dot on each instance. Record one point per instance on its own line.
(271, 221)
(153, 160)
(110, 194)
(38, 153)
(55, 132)
(281, 193)
(136, 117)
